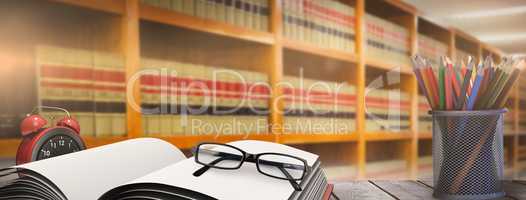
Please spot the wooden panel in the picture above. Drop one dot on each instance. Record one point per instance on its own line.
(466, 36)
(8, 147)
(379, 64)
(390, 9)
(326, 52)
(403, 6)
(386, 136)
(427, 182)
(92, 142)
(406, 190)
(317, 138)
(515, 190)
(112, 6)
(433, 30)
(302, 64)
(466, 42)
(359, 190)
(425, 135)
(165, 16)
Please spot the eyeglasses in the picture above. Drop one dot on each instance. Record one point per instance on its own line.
(275, 165)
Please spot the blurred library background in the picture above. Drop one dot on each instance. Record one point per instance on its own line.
(239, 69)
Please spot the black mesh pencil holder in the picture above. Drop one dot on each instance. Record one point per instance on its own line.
(468, 154)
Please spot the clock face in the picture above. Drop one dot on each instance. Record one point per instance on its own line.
(55, 142)
(57, 145)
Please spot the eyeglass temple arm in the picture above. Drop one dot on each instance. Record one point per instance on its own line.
(265, 162)
(205, 168)
(295, 185)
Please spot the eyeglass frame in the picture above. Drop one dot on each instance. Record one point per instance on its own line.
(254, 158)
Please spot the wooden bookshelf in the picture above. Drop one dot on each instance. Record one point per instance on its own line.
(425, 135)
(387, 136)
(381, 65)
(324, 52)
(305, 59)
(112, 6)
(467, 43)
(495, 54)
(135, 24)
(317, 138)
(151, 13)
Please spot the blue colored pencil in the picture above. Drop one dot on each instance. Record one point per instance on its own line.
(474, 90)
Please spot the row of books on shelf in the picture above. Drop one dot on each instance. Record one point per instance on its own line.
(387, 40)
(431, 49)
(90, 84)
(315, 106)
(387, 110)
(191, 99)
(250, 14)
(323, 23)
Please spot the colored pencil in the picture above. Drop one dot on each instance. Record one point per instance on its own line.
(423, 86)
(475, 90)
(463, 92)
(468, 86)
(442, 89)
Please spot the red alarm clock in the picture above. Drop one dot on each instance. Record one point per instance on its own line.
(40, 142)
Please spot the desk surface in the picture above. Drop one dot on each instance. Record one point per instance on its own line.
(408, 190)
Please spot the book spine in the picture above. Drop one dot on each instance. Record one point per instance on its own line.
(230, 11)
(201, 8)
(220, 11)
(152, 2)
(210, 10)
(248, 15)
(166, 4)
(256, 16)
(177, 5)
(189, 7)
(239, 13)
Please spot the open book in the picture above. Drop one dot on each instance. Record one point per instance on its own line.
(148, 168)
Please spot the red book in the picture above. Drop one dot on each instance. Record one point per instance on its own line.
(328, 191)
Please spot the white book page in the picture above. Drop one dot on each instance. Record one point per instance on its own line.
(240, 184)
(88, 174)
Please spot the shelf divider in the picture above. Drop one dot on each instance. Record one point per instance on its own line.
(360, 42)
(131, 51)
(276, 71)
(412, 156)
